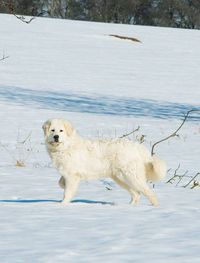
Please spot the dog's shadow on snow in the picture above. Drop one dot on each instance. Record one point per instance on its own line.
(78, 201)
(29, 201)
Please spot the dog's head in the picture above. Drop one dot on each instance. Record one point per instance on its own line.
(58, 133)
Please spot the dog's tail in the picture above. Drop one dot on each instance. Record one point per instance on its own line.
(156, 169)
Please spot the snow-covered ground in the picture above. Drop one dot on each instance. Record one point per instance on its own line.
(106, 87)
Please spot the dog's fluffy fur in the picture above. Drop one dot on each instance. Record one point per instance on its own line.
(129, 164)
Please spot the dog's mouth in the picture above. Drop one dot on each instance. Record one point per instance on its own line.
(55, 143)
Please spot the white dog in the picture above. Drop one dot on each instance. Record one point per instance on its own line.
(129, 164)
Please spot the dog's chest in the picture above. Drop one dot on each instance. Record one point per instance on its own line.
(61, 161)
(86, 164)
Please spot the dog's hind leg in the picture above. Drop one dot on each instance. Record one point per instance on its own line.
(136, 180)
(135, 196)
(146, 191)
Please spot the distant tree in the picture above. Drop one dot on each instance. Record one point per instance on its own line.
(143, 12)
(22, 7)
(171, 13)
(176, 13)
(192, 14)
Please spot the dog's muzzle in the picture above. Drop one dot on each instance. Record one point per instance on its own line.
(56, 138)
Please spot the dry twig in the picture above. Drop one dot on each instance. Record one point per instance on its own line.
(195, 183)
(175, 133)
(24, 149)
(177, 176)
(140, 138)
(23, 19)
(4, 57)
(180, 177)
(125, 135)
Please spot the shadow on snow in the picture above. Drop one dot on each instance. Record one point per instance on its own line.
(96, 104)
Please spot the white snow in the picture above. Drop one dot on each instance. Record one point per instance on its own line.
(106, 87)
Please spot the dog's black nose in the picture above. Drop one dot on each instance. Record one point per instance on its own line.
(56, 138)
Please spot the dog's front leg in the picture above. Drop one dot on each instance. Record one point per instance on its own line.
(71, 186)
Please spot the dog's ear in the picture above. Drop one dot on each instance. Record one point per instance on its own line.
(46, 126)
(68, 128)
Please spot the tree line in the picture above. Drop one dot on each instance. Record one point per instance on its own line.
(167, 13)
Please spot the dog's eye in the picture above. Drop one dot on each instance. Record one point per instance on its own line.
(61, 130)
(53, 130)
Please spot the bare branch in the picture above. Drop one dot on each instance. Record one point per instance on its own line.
(108, 185)
(23, 19)
(125, 135)
(192, 180)
(26, 139)
(4, 57)
(175, 133)
(177, 176)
